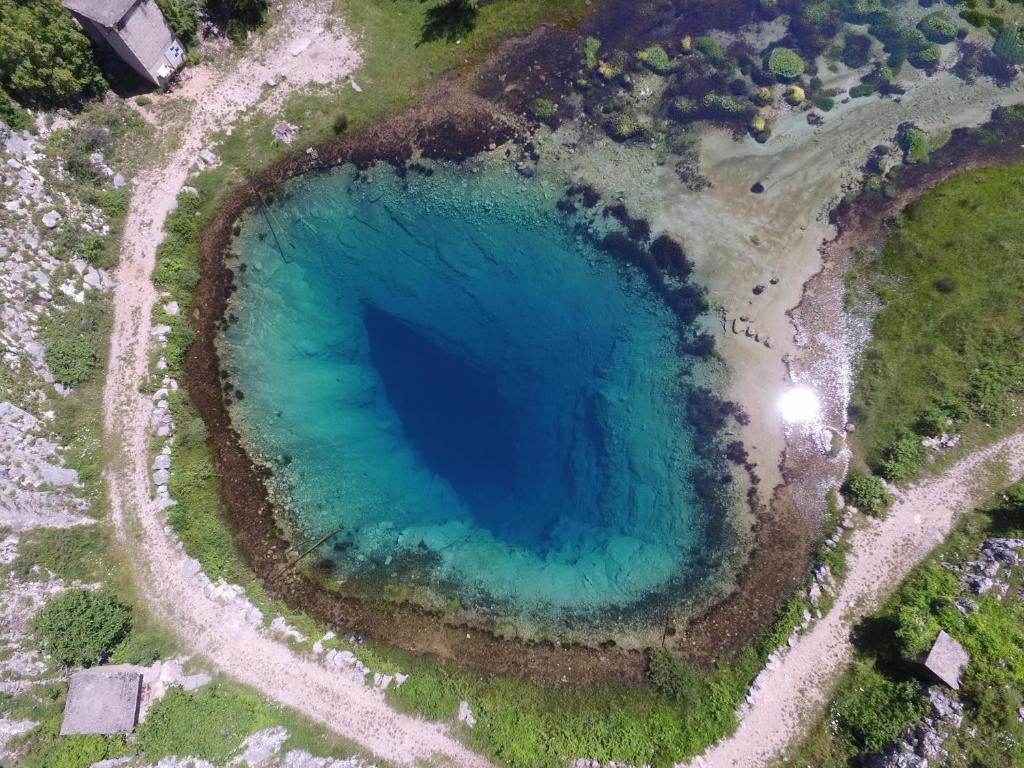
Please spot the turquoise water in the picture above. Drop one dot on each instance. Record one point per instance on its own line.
(488, 406)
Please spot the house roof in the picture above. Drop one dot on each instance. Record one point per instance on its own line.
(104, 12)
(102, 700)
(945, 660)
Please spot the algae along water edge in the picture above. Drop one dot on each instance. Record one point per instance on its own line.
(474, 403)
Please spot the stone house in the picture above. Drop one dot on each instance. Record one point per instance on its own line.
(136, 31)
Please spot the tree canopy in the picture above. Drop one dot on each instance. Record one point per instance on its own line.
(45, 58)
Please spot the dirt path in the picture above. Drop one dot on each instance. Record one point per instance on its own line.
(304, 48)
(882, 554)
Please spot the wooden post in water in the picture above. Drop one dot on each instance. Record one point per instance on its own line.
(302, 555)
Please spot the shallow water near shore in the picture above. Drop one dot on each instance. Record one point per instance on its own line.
(478, 405)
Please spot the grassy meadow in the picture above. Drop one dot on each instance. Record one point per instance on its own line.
(947, 347)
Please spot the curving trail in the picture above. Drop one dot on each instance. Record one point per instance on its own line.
(883, 553)
(304, 47)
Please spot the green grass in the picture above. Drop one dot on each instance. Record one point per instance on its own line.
(397, 65)
(212, 722)
(869, 705)
(947, 343)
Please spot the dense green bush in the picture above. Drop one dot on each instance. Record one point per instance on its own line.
(657, 60)
(82, 627)
(862, 90)
(904, 457)
(938, 27)
(208, 724)
(914, 143)
(867, 493)
(876, 716)
(75, 338)
(545, 110)
(12, 114)
(785, 63)
(623, 126)
(926, 58)
(671, 676)
(856, 51)
(684, 108)
(44, 57)
(723, 104)
(1009, 45)
(237, 17)
(77, 751)
(712, 51)
(921, 600)
(182, 17)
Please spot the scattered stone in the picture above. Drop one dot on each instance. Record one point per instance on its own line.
(208, 157)
(465, 714)
(284, 131)
(50, 219)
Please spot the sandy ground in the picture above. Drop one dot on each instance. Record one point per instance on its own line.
(299, 47)
(882, 554)
(738, 239)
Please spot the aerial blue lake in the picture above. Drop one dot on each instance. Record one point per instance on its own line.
(483, 404)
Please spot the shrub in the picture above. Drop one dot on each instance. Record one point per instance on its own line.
(926, 58)
(182, 17)
(785, 63)
(1009, 45)
(237, 17)
(914, 143)
(45, 58)
(867, 493)
(856, 51)
(671, 676)
(545, 110)
(340, 124)
(924, 596)
(874, 714)
(722, 105)
(590, 47)
(623, 126)
(684, 109)
(904, 457)
(73, 359)
(82, 627)
(208, 724)
(795, 95)
(873, 184)
(12, 114)
(938, 27)
(712, 51)
(74, 342)
(862, 90)
(824, 103)
(657, 60)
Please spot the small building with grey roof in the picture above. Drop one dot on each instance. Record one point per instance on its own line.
(946, 660)
(103, 700)
(136, 31)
